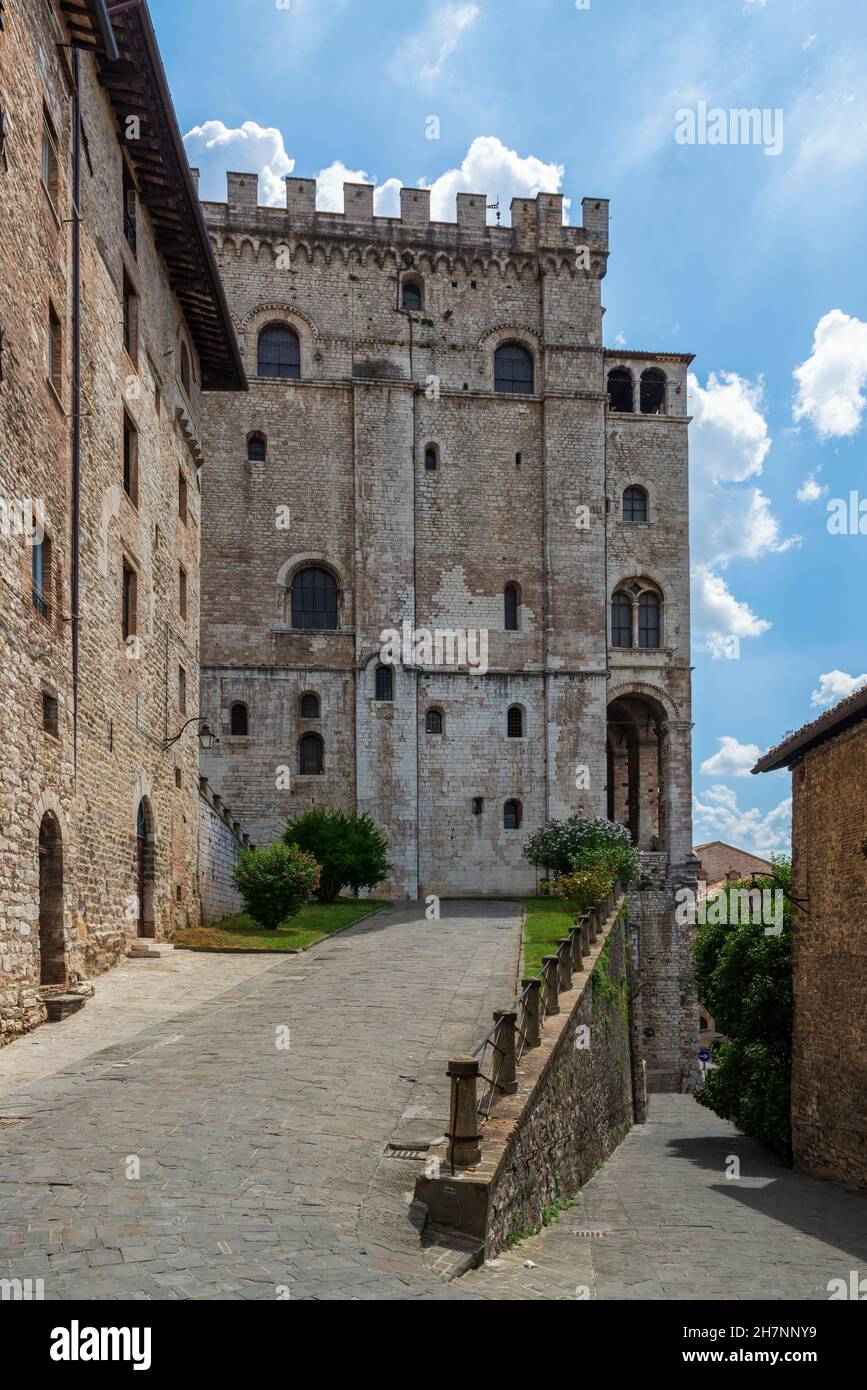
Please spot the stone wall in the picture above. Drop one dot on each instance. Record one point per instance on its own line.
(580, 1110)
(219, 846)
(829, 1045)
(666, 1009)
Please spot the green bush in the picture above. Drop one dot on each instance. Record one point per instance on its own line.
(351, 851)
(582, 889)
(275, 883)
(744, 979)
(582, 842)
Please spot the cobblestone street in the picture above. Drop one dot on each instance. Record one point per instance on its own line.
(262, 1167)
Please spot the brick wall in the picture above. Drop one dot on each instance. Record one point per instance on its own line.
(829, 1049)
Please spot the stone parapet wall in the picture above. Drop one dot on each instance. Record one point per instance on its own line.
(220, 843)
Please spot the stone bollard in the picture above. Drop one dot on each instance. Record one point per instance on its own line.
(532, 1012)
(577, 957)
(464, 1148)
(585, 934)
(564, 955)
(552, 992)
(594, 923)
(504, 1066)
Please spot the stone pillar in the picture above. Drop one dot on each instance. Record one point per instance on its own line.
(564, 955)
(585, 934)
(636, 392)
(577, 956)
(552, 974)
(532, 1012)
(504, 1064)
(464, 1148)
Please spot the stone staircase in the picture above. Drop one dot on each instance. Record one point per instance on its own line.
(146, 948)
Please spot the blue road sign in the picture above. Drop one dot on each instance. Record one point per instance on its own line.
(704, 1055)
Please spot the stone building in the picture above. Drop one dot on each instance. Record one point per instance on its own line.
(112, 323)
(828, 762)
(436, 442)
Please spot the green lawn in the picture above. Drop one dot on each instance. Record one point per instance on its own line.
(241, 933)
(545, 922)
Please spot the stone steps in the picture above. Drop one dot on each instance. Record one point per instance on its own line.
(61, 1006)
(145, 948)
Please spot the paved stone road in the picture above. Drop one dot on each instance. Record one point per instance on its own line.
(662, 1221)
(255, 1160)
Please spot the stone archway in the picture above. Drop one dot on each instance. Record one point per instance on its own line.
(145, 870)
(637, 748)
(52, 942)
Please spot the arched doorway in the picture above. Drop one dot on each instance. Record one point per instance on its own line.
(144, 869)
(637, 770)
(52, 946)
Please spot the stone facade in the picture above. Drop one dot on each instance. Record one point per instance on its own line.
(829, 957)
(92, 693)
(393, 459)
(220, 843)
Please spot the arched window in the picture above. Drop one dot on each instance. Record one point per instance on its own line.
(431, 458)
(279, 352)
(257, 448)
(621, 621)
(513, 369)
(511, 599)
(512, 815)
(620, 390)
(649, 626)
(515, 722)
(314, 600)
(310, 755)
(185, 368)
(239, 722)
(411, 296)
(384, 683)
(309, 705)
(635, 504)
(653, 392)
(433, 722)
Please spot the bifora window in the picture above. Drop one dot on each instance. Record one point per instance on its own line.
(314, 600)
(513, 370)
(279, 352)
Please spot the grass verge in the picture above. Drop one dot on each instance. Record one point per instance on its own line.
(545, 922)
(312, 924)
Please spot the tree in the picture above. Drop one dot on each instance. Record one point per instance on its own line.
(582, 842)
(275, 883)
(352, 852)
(744, 979)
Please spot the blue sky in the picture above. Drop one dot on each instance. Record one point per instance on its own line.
(754, 261)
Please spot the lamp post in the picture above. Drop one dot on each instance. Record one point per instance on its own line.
(207, 738)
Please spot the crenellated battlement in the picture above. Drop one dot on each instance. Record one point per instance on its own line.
(536, 223)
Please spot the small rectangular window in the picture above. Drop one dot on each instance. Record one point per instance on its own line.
(178, 777)
(182, 497)
(130, 319)
(182, 592)
(50, 719)
(55, 350)
(129, 601)
(41, 568)
(130, 459)
(130, 209)
(182, 690)
(50, 165)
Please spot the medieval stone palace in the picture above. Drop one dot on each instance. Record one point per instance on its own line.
(435, 441)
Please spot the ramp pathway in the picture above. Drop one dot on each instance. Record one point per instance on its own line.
(203, 1157)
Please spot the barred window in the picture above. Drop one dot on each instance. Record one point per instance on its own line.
(257, 448)
(279, 352)
(384, 683)
(513, 369)
(635, 504)
(310, 748)
(515, 722)
(434, 721)
(314, 600)
(431, 458)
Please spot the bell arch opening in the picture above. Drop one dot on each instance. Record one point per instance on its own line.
(637, 756)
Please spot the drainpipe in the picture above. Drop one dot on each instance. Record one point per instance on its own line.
(76, 396)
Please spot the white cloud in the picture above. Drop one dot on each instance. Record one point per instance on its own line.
(329, 190)
(809, 41)
(718, 817)
(214, 147)
(831, 382)
(490, 167)
(810, 490)
(835, 686)
(620, 340)
(421, 57)
(729, 442)
(732, 760)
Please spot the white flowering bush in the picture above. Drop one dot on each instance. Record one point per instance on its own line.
(582, 842)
